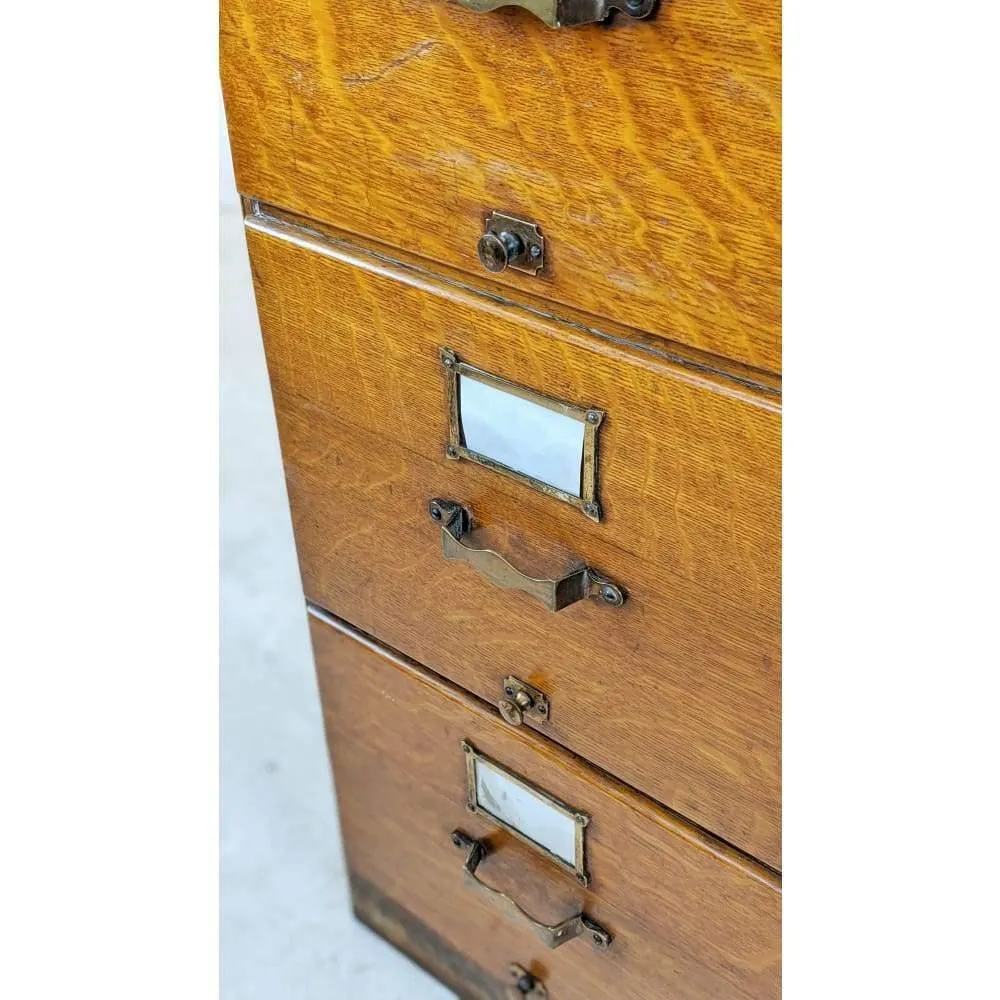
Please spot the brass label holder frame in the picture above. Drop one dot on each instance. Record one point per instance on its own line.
(581, 820)
(591, 418)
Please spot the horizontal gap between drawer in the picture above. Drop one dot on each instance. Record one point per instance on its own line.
(757, 387)
(694, 834)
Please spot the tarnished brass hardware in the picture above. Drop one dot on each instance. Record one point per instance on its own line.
(497, 251)
(581, 582)
(591, 417)
(525, 984)
(580, 820)
(567, 13)
(520, 700)
(551, 935)
(509, 242)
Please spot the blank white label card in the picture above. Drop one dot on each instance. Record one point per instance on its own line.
(527, 437)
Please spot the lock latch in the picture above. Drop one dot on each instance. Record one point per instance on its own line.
(519, 700)
(525, 984)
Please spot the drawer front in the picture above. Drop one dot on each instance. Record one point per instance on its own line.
(687, 918)
(656, 183)
(689, 470)
(677, 691)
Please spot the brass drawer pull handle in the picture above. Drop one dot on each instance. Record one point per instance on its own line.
(566, 13)
(552, 936)
(456, 523)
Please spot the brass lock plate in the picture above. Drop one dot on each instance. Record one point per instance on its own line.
(525, 984)
(511, 243)
(519, 699)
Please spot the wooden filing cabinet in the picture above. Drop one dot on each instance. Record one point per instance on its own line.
(585, 219)
(688, 917)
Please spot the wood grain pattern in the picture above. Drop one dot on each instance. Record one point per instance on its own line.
(269, 218)
(678, 692)
(690, 920)
(689, 473)
(648, 152)
(422, 944)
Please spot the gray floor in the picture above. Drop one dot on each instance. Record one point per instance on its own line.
(287, 929)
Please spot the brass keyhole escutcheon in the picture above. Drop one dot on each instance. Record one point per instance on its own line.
(520, 699)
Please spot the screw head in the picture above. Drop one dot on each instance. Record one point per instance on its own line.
(591, 509)
(449, 362)
(593, 417)
(535, 252)
(452, 451)
(526, 983)
(436, 512)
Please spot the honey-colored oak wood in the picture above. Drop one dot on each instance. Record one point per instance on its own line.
(690, 919)
(422, 944)
(269, 218)
(648, 152)
(677, 692)
(689, 469)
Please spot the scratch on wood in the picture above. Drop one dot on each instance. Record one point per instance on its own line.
(299, 65)
(417, 52)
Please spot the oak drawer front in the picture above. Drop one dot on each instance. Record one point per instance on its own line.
(689, 469)
(656, 182)
(687, 918)
(676, 692)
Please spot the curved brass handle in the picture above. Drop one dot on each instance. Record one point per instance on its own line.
(456, 523)
(551, 935)
(566, 13)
